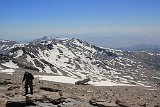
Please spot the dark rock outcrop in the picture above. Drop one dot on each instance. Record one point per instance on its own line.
(49, 89)
(83, 82)
(20, 102)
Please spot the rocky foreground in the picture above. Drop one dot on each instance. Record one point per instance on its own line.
(52, 94)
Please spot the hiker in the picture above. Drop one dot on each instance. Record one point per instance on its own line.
(28, 78)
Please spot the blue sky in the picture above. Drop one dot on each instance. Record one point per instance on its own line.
(27, 19)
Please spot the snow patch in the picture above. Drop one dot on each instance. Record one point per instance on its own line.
(64, 79)
(48, 69)
(150, 53)
(5, 41)
(19, 45)
(156, 78)
(61, 38)
(19, 53)
(10, 64)
(108, 83)
(2, 46)
(7, 71)
(128, 77)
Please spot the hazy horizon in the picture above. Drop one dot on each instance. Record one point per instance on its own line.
(102, 40)
(107, 23)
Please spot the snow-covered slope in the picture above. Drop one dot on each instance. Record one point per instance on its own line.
(5, 46)
(78, 59)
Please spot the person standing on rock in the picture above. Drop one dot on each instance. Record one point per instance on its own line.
(28, 78)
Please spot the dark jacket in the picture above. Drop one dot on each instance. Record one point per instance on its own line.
(28, 77)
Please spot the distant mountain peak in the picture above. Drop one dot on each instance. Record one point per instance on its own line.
(46, 38)
(6, 41)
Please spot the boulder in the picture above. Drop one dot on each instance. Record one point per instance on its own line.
(16, 102)
(69, 102)
(55, 100)
(83, 82)
(35, 98)
(30, 101)
(93, 102)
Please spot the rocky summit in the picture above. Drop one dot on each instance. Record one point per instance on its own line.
(56, 94)
(115, 78)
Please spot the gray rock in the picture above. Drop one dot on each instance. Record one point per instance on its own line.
(73, 103)
(55, 100)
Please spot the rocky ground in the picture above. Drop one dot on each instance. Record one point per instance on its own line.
(52, 94)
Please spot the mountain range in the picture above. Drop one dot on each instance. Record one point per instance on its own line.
(75, 58)
(143, 47)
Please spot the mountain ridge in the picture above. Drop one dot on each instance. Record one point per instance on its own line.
(142, 47)
(78, 59)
